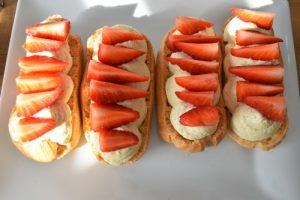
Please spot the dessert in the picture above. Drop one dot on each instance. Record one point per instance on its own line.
(190, 108)
(45, 123)
(117, 94)
(254, 72)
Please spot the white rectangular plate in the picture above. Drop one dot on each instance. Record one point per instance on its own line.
(224, 172)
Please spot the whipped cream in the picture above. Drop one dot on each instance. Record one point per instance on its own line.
(62, 132)
(237, 24)
(249, 124)
(120, 156)
(188, 132)
(229, 93)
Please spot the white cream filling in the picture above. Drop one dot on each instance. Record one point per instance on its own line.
(61, 133)
(188, 132)
(249, 124)
(237, 24)
(120, 156)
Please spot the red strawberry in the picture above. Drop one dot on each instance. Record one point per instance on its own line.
(195, 67)
(196, 98)
(31, 128)
(271, 74)
(34, 44)
(105, 92)
(245, 38)
(29, 104)
(201, 116)
(57, 30)
(115, 55)
(113, 140)
(244, 89)
(264, 52)
(273, 108)
(110, 116)
(172, 39)
(30, 64)
(203, 82)
(189, 26)
(38, 82)
(102, 72)
(202, 51)
(261, 19)
(116, 35)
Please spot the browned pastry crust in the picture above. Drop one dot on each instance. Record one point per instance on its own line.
(265, 144)
(167, 131)
(47, 150)
(145, 128)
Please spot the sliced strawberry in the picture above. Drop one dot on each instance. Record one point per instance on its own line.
(261, 19)
(102, 72)
(202, 51)
(113, 36)
(245, 38)
(195, 67)
(113, 140)
(271, 74)
(244, 89)
(264, 52)
(38, 82)
(110, 116)
(105, 92)
(189, 26)
(34, 44)
(273, 107)
(31, 128)
(56, 30)
(201, 116)
(196, 98)
(115, 55)
(172, 39)
(29, 104)
(203, 82)
(36, 63)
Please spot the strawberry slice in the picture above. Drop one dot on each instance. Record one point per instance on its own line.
(202, 51)
(38, 82)
(37, 63)
(31, 128)
(203, 82)
(245, 38)
(105, 92)
(113, 36)
(115, 55)
(29, 104)
(264, 52)
(56, 30)
(269, 74)
(34, 44)
(261, 19)
(273, 108)
(102, 72)
(201, 116)
(110, 116)
(189, 26)
(244, 89)
(172, 39)
(196, 98)
(195, 67)
(113, 140)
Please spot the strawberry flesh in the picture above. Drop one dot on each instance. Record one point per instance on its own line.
(113, 140)
(201, 116)
(113, 36)
(203, 82)
(196, 98)
(35, 44)
(105, 92)
(189, 26)
(245, 38)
